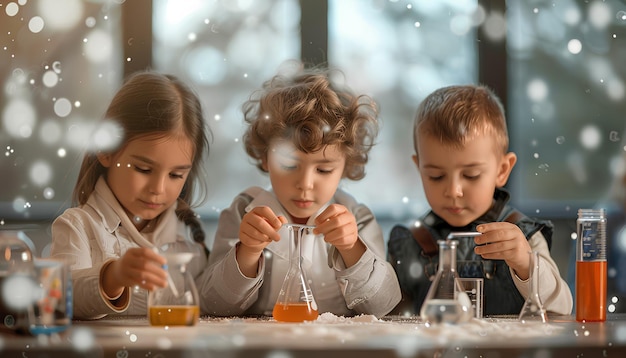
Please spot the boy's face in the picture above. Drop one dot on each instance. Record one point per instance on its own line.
(304, 182)
(459, 183)
(148, 174)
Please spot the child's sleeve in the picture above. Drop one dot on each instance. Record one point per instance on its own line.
(554, 292)
(223, 289)
(371, 285)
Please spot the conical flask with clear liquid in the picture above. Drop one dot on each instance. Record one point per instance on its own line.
(177, 304)
(446, 300)
(533, 307)
(295, 302)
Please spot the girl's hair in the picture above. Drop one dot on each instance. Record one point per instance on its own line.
(312, 111)
(455, 113)
(153, 103)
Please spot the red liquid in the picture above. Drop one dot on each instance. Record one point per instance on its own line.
(294, 312)
(591, 291)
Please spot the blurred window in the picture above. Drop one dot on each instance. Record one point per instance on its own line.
(57, 76)
(566, 102)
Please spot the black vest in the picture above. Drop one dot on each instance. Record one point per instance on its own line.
(411, 251)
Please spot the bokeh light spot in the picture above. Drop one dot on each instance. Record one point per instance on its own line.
(537, 90)
(62, 107)
(107, 136)
(48, 193)
(574, 46)
(18, 292)
(495, 26)
(40, 173)
(61, 14)
(590, 137)
(35, 25)
(50, 79)
(12, 9)
(98, 46)
(18, 118)
(90, 22)
(599, 14)
(82, 338)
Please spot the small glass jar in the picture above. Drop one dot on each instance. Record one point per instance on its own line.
(177, 304)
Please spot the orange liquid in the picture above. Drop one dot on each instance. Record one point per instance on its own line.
(294, 312)
(591, 291)
(174, 315)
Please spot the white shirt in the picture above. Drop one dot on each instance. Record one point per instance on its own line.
(90, 236)
(370, 286)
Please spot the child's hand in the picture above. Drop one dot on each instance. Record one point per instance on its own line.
(505, 241)
(338, 226)
(258, 228)
(139, 266)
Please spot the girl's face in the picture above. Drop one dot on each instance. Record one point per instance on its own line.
(148, 174)
(304, 182)
(459, 183)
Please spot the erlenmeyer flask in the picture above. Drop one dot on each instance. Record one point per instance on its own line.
(178, 303)
(533, 307)
(446, 300)
(295, 301)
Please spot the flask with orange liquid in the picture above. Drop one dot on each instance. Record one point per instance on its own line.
(295, 301)
(591, 266)
(178, 303)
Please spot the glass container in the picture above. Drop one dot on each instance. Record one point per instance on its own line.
(446, 300)
(591, 266)
(295, 302)
(17, 281)
(533, 307)
(177, 304)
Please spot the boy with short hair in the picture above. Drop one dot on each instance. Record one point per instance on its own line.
(461, 153)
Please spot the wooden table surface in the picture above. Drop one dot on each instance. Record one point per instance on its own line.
(329, 336)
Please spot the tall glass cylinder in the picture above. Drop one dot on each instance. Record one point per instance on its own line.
(591, 265)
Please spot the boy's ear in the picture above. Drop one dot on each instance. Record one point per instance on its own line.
(264, 163)
(105, 159)
(506, 166)
(416, 160)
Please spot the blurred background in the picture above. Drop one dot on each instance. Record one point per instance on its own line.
(558, 67)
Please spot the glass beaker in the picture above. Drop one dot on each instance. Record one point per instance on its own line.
(295, 301)
(446, 300)
(533, 307)
(591, 266)
(177, 304)
(18, 283)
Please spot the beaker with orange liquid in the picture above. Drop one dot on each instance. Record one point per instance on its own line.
(178, 303)
(295, 302)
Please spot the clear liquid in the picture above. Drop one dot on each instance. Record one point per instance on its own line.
(442, 311)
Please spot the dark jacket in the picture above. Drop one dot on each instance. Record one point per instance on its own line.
(500, 294)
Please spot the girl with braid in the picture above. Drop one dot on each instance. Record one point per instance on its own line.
(133, 195)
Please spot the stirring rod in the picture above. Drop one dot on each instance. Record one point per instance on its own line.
(453, 235)
(300, 226)
(170, 282)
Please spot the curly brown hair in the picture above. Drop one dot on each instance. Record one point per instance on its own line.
(312, 110)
